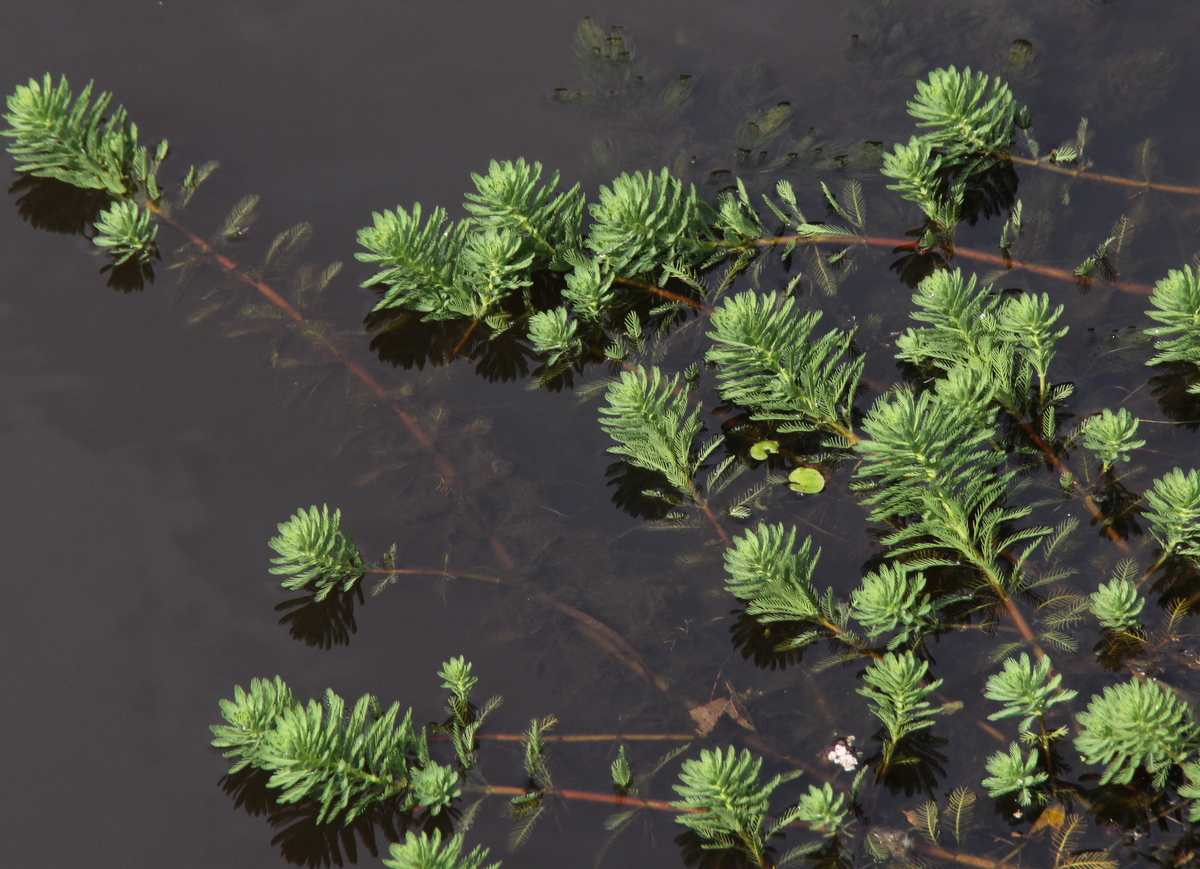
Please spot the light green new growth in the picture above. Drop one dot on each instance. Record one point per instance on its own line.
(426, 851)
(1176, 299)
(1117, 604)
(893, 598)
(315, 554)
(932, 471)
(88, 144)
(822, 809)
(768, 361)
(511, 198)
(1026, 688)
(975, 327)
(343, 762)
(1013, 774)
(643, 221)
(971, 115)
(419, 262)
(775, 579)
(127, 232)
(733, 803)
(1112, 436)
(916, 169)
(553, 332)
(1136, 725)
(75, 140)
(1191, 790)
(622, 773)
(253, 716)
(1173, 503)
(897, 697)
(649, 418)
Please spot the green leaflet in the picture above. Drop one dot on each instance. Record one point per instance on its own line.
(642, 221)
(725, 786)
(343, 761)
(1013, 773)
(648, 415)
(427, 851)
(768, 360)
(1136, 725)
(315, 554)
(1176, 301)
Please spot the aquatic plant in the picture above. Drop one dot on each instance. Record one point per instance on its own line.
(1136, 725)
(943, 464)
(314, 553)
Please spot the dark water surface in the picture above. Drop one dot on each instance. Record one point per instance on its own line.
(148, 461)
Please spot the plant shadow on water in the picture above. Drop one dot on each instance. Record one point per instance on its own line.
(713, 313)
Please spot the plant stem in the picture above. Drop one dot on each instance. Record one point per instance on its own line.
(595, 630)
(666, 294)
(591, 737)
(586, 796)
(964, 252)
(599, 633)
(960, 857)
(1111, 179)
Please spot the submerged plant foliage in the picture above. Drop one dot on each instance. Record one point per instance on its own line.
(960, 469)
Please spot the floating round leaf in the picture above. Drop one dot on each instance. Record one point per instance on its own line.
(806, 480)
(762, 449)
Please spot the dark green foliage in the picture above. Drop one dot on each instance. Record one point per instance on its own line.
(1135, 725)
(769, 362)
(315, 554)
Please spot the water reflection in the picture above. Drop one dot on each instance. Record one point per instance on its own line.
(303, 841)
(55, 206)
(322, 624)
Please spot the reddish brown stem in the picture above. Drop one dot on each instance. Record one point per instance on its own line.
(587, 796)
(594, 629)
(666, 294)
(590, 737)
(1111, 179)
(964, 252)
